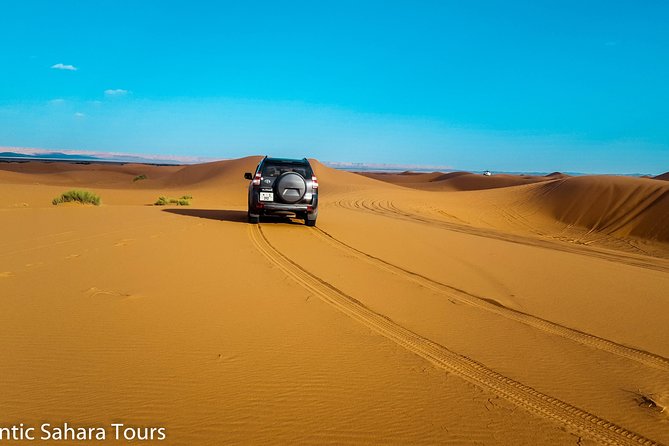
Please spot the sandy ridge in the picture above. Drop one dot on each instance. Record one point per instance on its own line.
(611, 205)
(614, 205)
(587, 339)
(456, 181)
(573, 418)
(389, 209)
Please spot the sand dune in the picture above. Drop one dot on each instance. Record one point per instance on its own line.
(423, 309)
(557, 175)
(620, 206)
(85, 171)
(664, 176)
(607, 205)
(456, 181)
(220, 173)
(405, 177)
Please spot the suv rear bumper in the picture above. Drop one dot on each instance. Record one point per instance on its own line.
(269, 207)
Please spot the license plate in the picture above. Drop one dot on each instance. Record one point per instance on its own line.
(266, 196)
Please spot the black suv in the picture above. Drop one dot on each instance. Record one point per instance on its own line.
(284, 187)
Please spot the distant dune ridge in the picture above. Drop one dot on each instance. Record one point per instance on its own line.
(456, 181)
(612, 205)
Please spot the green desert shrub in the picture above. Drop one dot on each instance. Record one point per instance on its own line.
(162, 201)
(81, 196)
(183, 201)
(140, 177)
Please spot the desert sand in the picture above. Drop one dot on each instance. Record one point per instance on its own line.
(422, 309)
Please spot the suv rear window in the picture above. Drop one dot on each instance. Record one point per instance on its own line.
(274, 169)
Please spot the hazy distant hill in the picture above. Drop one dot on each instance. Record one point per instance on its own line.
(59, 156)
(49, 156)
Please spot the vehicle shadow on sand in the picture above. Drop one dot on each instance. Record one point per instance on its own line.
(227, 215)
(212, 214)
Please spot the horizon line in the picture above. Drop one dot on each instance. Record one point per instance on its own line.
(140, 158)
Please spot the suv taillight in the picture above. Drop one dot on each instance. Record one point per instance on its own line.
(314, 182)
(256, 180)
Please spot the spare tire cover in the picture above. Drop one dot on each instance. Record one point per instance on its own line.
(290, 187)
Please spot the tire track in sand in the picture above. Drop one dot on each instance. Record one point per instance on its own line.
(587, 339)
(576, 420)
(390, 210)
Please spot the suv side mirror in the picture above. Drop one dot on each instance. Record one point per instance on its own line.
(248, 175)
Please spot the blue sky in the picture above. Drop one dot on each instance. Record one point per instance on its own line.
(501, 85)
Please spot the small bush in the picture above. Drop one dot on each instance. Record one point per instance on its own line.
(140, 177)
(81, 196)
(183, 201)
(162, 201)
